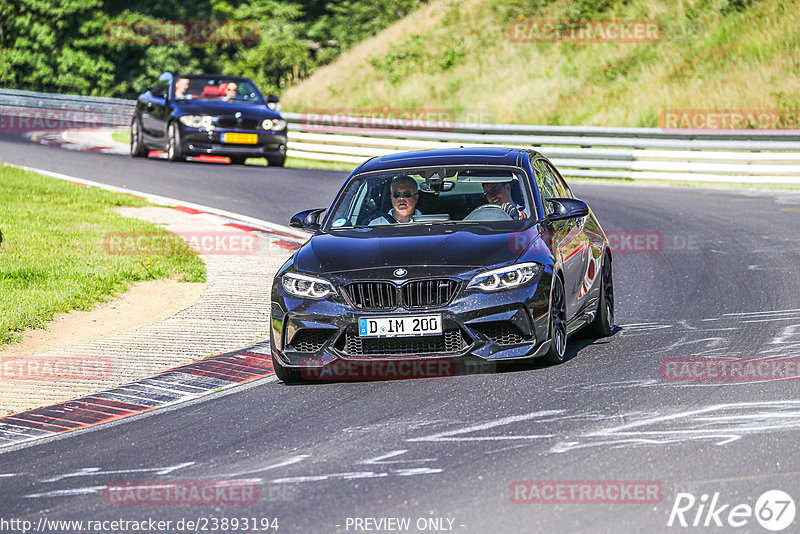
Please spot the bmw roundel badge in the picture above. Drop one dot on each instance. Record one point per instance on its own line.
(400, 273)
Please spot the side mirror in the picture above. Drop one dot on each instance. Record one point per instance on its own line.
(272, 103)
(158, 93)
(307, 220)
(567, 208)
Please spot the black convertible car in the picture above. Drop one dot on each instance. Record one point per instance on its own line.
(194, 115)
(441, 255)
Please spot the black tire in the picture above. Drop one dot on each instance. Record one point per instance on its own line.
(237, 160)
(603, 323)
(558, 323)
(137, 145)
(276, 162)
(286, 374)
(174, 149)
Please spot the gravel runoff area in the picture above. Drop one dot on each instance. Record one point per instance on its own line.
(231, 313)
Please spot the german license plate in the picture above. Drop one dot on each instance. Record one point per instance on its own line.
(407, 325)
(240, 138)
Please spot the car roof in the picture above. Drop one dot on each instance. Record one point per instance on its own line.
(490, 155)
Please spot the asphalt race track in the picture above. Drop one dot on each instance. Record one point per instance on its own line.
(721, 281)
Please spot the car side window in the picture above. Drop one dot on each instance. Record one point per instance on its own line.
(561, 185)
(545, 183)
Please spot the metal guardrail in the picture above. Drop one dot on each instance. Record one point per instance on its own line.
(98, 110)
(744, 156)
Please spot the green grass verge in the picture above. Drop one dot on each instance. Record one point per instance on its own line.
(313, 164)
(53, 258)
(122, 137)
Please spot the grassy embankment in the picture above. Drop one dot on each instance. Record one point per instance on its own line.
(53, 258)
(458, 56)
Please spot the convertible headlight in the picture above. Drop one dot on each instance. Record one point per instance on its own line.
(273, 124)
(508, 277)
(306, 287)
(198, 121)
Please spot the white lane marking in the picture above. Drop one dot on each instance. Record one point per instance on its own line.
(712, 344)
(502, 449)
(66, 492)
(320, 478)
(771, 320)
(283, 463)
(382, 458)
(167, 201)
(788, 331)
(449, 435)
(95, 471)
(416, 471)
(722, 423)
(351, 475)
(764, 312)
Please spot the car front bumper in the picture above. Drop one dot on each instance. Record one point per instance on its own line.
(479, 328)
(196, 142)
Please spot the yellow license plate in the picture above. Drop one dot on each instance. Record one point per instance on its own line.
(240, 138)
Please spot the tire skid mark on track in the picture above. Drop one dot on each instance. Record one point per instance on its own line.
(172, 386)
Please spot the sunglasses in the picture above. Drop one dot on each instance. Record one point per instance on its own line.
(404, 194)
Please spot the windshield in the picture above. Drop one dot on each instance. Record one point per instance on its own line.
(463, 194)
(242, 91)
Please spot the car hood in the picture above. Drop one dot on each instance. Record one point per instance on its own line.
(446, 247)
(213, 107)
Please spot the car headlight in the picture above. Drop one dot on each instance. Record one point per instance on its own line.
(198, 121)
(307, 287)
(508, 277)
(273, 124)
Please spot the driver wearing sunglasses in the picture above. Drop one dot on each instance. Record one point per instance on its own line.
(404, 201)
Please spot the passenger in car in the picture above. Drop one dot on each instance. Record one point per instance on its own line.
(181, 85)
(500, 194)
(405, 195)
(230, 91)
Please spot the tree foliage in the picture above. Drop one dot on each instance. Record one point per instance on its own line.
(66, 46)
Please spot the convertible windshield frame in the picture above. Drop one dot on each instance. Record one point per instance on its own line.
(525, 184)
(254, 96)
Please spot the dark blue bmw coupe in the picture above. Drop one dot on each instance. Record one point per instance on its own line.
(441, 256)
(205, 114)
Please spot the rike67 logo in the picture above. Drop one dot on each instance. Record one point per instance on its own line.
(774, 510)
